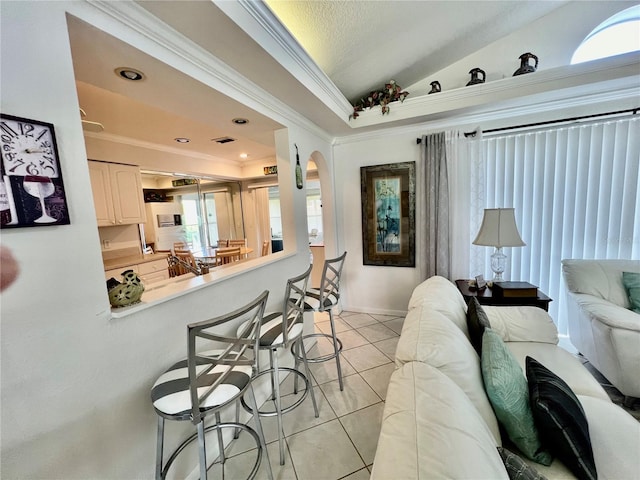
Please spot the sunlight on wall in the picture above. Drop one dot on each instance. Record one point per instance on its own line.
(618, 34)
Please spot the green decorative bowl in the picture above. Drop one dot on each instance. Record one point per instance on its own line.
(127, 292)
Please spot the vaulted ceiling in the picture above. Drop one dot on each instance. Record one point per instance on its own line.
(318, 57)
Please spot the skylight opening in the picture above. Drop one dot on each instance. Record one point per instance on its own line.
(617, 35)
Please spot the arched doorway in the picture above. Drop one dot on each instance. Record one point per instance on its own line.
(320, 213)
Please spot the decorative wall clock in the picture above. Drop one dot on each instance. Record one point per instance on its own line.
(31, 187)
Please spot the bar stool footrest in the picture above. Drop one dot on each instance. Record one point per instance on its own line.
(217, 426)
(321, 358)
(274, 413)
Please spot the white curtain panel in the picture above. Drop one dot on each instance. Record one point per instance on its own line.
(575, 194)
(467, 200)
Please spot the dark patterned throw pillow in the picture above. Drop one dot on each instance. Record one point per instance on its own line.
(477, 321)
(517, 468)
(560, 420)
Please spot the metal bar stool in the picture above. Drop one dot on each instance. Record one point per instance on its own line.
(280, 330)
(207, 381)
(323, 299)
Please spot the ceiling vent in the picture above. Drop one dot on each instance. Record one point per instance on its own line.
(223, 140)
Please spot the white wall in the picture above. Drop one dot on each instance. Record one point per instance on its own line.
(75, 382)
(384, 290)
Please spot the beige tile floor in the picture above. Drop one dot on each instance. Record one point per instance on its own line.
(341, 442)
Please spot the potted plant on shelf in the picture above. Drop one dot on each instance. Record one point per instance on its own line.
(392, 92)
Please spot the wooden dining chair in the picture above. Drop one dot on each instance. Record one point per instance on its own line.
(223, 243)
(225, 256)
(187, 257)
(172, 267)
(265, 248)
(239, 243)
(180, 246)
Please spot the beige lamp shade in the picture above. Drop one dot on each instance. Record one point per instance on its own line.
(499, 229)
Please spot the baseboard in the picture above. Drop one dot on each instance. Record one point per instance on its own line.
(376, 311)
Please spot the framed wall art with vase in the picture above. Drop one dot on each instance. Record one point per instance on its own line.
(388, 214)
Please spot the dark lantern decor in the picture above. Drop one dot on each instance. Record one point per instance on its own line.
(475, 76)
(525, 66)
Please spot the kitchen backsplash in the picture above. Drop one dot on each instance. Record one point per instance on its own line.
(119, 241)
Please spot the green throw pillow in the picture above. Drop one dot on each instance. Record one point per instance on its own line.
(631, 283)
(508, 393)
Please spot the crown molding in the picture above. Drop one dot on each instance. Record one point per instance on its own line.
(259, 22)
(199, 63)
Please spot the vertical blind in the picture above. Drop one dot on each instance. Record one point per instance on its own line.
(575, 194)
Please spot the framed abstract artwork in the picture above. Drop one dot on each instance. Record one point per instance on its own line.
(388, 214)
(31, 189)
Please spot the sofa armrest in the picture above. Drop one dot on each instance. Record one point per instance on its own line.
(522, 324)
(608, 313)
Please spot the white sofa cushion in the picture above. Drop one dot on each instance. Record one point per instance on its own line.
(601, 326)
(430, 337)
(606, 312)
(600, 278)
(562, 363)
(615, 439)
(522, 324)
(431, 430)
(442, 296)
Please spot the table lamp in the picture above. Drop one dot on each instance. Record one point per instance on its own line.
(499, 230)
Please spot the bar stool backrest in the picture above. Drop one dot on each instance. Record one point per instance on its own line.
(330, 282)
(231, 351)
(293, 308)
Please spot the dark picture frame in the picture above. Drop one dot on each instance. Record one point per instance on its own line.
(388, 214)
(32, 191)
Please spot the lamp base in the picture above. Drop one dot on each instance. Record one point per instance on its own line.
(498, 264)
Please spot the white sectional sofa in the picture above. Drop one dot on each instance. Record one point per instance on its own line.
(601, 325)
(438, 421)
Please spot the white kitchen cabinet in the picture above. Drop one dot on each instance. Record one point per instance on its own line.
(102, 196)
(149, 272)
(152, 272)
(117, 272)
(117, 193)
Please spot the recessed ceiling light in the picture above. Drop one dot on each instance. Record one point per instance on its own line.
(130, 74)
(244, 155)
(240, 121)
(182, 140)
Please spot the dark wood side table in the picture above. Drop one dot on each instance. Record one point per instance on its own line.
(485, 297)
